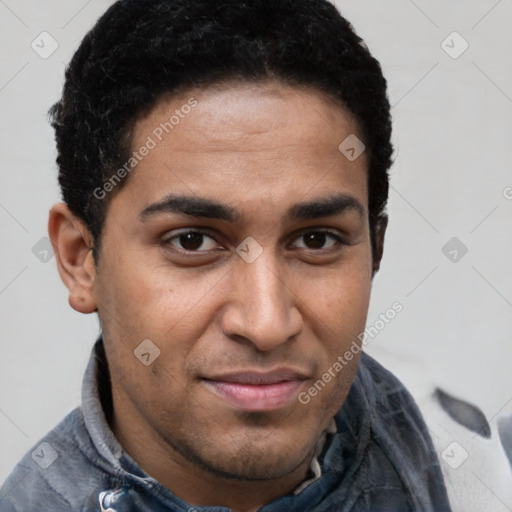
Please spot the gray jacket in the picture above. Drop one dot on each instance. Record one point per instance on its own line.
(380, 459)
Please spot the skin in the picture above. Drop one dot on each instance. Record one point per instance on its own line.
(259, 149)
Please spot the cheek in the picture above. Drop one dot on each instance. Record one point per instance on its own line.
(171, 312)
(340, 302)
(144, 296)
(337, 315)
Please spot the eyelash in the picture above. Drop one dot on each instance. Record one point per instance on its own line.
(339, 241)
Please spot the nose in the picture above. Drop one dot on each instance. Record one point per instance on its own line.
(262, 308)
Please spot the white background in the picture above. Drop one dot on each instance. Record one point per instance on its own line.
(453, 134)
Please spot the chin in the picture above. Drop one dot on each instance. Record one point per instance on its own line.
(256, 466)
(269, 459)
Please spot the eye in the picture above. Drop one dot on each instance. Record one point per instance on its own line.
(193, 241)
(317, 240)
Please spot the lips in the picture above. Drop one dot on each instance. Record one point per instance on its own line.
(256, 391)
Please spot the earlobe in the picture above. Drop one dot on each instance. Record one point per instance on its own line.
(380, 232)
(72, 244)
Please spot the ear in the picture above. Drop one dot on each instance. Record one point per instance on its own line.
(380, 232)
(72, 244)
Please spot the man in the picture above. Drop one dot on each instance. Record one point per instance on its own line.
(224, 171)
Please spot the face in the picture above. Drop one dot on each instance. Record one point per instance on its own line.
(240, 247)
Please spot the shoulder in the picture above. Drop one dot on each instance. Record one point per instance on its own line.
(400, 437)
(396, 421)
(470, 448)
(53, 474)
(390, 396)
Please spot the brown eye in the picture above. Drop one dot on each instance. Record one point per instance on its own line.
(317, 240)
(314, 240)
(192, 241)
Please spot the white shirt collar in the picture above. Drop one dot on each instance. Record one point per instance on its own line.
(315, 465)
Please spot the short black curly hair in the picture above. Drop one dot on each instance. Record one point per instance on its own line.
(140, 49)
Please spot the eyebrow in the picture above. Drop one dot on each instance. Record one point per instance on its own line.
(210, 209)
(193, 206)
(327, 207)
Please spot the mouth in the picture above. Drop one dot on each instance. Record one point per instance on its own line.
(256, 391)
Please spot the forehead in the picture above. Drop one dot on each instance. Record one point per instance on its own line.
(246, 143)
(229, 111)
